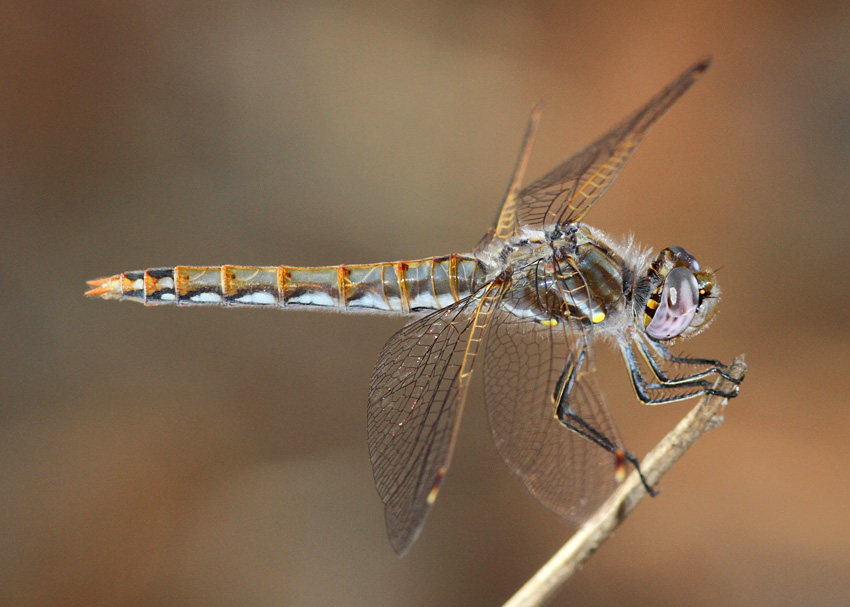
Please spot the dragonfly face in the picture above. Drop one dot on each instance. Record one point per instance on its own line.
(535, 293)
(683, 297)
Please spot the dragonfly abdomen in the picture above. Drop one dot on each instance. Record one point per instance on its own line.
(401, 286)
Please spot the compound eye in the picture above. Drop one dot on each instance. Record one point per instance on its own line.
(678, 305)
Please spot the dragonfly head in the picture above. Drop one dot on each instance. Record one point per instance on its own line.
(683, 297)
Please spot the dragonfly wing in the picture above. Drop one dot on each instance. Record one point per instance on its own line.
(506, 223)
(524, 363)
(568, 191)
(415, 397)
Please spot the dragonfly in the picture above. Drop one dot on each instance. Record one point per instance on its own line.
(535, 294)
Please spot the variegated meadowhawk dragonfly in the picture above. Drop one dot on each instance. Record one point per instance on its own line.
(536, 291)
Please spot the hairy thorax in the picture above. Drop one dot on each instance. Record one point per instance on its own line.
(575, 273)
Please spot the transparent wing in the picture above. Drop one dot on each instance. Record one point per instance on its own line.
(524, 363)
(568, 191)
(415, 397)
(506, 222)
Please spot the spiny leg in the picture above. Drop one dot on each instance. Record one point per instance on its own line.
(577, 424)
(715, 366)
(665, 380)
(642, 386)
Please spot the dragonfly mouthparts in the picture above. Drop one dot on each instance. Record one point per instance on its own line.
(107, 288)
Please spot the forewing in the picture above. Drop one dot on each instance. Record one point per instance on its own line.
(523, 362)
(568, 191)
(506, 222)
(415, 397)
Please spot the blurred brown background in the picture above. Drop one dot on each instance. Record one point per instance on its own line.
(208, 457)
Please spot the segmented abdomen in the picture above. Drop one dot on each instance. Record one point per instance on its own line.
(400, 286)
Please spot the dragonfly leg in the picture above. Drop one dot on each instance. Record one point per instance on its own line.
(634, 462)
(580, 426)
(715, 366)
(643, 387)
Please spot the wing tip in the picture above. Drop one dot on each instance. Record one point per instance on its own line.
(402, 540)
(701, 66)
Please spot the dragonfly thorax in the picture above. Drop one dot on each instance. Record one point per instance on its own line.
(565, 275)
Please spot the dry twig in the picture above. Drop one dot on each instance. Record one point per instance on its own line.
(708, 414)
